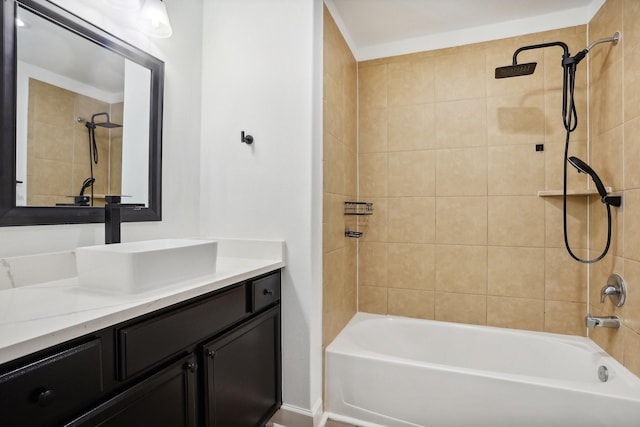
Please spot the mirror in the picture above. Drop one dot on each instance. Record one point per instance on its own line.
(81, 119)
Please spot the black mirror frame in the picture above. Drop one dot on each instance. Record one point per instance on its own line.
(12, 215)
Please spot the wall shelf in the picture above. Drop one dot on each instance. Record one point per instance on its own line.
(358, 208)
(558, 193)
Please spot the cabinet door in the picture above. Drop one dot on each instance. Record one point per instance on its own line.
(242, 373)
(165, 399)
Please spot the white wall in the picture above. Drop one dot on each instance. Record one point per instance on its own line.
(262, 74)
(181, 142)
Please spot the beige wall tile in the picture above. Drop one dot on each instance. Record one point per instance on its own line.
(518, 119)
(606, 98)
(631, 275)
(461, 269)
(52, 143)
(517, 313)
(52, 105)
(515, 170)
(554, 165)
(461, 172)
(461, 308)
(611, 340)
(577, 223)
(411, 266)
(461, 220)
(631, 351)
(333, 278)
(516, 272)
(606, 158)
(412, 219)
(411, 303)
(340, 181)
(565, 278)
(631, 154)
(411, 127)
(632, 225)
(461, 123)
(373, 175)
(631, 83)
(334, 159)
(412, 173)
(333, 222)
(372, 89)
(373, 265)
(376, 226)
(373, 130)
(630, 19)
(460, 77)
(565, 317)
(372, 299)
(516, 221)
(411, 82)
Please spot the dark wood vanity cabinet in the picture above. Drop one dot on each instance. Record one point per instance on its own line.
(211, 361)
(167, 398)
(242, 373)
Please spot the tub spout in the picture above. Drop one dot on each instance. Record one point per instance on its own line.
(601, 322)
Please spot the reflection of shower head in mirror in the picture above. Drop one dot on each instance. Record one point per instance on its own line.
(108, 124)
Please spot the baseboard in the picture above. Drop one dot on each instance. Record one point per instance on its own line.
(291, 415)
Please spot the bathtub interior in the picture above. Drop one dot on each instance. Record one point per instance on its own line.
(478, 348)
(378, 372)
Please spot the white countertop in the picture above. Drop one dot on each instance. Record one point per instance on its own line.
(38, 316)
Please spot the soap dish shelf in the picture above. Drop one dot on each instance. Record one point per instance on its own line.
(354, 234)
(558, 193)
(358, 208)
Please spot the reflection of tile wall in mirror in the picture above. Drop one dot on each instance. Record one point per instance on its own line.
(58, 146)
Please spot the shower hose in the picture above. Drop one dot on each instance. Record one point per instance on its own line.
(570, 121)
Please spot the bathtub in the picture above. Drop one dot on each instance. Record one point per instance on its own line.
(395, 371)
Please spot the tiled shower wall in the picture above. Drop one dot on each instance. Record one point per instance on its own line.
(58, 147)
(447, 154)
(340, 181)
(614, 155)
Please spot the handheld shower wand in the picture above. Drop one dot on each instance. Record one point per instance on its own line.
(582, 167)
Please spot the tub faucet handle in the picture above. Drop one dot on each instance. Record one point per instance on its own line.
(616, 289)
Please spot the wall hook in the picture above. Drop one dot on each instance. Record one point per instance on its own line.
(246, 139)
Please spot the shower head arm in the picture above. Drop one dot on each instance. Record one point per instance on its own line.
(614, 39)
(563, 45)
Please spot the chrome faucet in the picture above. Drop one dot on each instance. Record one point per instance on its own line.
(601, 322)
(615, 289)
(113, 217)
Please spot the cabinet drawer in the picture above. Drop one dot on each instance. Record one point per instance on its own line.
(51, 389)
(265, 291)
(149, 342)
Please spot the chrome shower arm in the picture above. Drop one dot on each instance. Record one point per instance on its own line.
(614, 39)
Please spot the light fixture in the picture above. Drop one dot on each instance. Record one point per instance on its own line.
(154, 19)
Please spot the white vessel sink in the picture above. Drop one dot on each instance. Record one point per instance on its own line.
(139, 266)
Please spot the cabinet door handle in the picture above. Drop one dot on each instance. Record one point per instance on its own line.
(191, 367)
(268, 292)
(44, 397)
